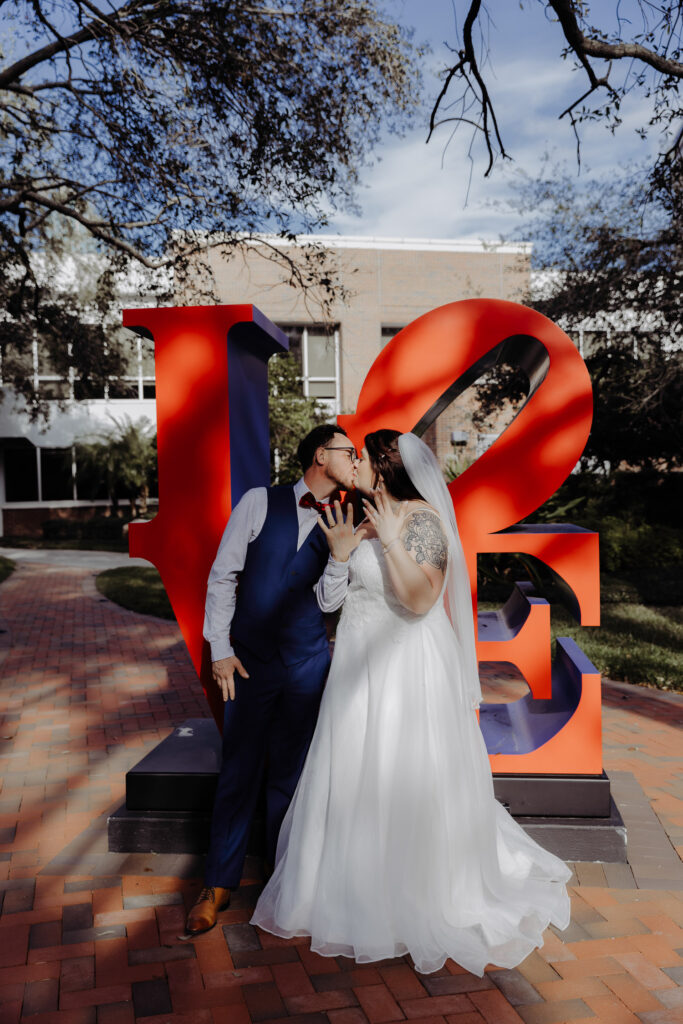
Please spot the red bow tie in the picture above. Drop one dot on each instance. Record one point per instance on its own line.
(308, 500)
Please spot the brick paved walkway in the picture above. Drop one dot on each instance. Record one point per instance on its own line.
(88, 937)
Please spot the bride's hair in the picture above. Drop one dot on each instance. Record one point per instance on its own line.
(385, 458)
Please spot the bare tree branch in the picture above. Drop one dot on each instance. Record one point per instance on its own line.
(586, 44)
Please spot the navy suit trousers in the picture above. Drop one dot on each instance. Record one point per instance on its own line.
(266, 729)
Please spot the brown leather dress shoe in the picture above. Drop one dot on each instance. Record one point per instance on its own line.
(209, 903)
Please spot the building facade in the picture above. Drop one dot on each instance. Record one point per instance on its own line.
(388, 283)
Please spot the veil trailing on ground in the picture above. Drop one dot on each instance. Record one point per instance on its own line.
(425, 472)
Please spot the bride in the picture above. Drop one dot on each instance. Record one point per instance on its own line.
(394, 842)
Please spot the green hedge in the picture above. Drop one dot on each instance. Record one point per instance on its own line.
(639, 497)
(97, 528)
(626, 545)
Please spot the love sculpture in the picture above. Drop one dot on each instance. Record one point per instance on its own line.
(212, 421)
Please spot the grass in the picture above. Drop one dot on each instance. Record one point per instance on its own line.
(137, 588)
(7, 567)
(636, 643)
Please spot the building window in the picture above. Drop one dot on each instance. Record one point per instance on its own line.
(38, 474)
(388, 333)
(128, 384)
(588, 341)
(147, 371)
(49, 382)
(137, 381)
(316, 347)
(21, 470)
(90, 485)
(57, 473)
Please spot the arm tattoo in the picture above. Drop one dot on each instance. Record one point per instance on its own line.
(423, 533)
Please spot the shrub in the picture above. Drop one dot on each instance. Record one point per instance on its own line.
(7, 567)
(102, 528)
(628, 545)
(60, 529)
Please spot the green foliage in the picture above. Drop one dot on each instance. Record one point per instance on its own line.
(60, 529)
(292, 416)
(636, 514)
(633, 644)
(140, 134)
(107, 528)
(626, 545)
(642, 496)
(611, 258)
(123, 459)
(137, 588)
(660, 586)
(456, 465)
(7, 567)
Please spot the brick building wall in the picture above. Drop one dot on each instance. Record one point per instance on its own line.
(389, 283)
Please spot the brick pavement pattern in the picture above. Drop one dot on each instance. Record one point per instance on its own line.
(88, 937)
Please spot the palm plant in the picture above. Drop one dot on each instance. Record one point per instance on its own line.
(122, 459)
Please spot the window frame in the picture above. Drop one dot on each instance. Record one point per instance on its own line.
(140, 380)
(308, 379)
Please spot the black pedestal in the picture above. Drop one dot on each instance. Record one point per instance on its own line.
(181, 773)
(169, 795)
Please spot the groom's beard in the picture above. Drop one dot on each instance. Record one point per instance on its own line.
(348, 484)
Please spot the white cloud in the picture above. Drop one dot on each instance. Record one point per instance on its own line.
(418, 190)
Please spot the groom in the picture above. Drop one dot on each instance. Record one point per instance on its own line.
(269, 653)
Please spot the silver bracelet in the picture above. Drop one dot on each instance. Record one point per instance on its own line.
(390, 544)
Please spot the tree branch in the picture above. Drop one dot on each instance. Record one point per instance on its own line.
(96, 29)
(585, 46)
(20, 67)
(468, 60)
(96, 228)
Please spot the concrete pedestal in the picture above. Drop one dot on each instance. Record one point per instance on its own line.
(169, 795)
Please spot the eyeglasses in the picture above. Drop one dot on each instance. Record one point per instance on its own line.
(351, 452)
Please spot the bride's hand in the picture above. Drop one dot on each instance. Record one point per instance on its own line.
(387, 521)
(339, 532)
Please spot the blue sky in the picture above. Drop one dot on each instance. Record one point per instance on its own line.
(416, 190)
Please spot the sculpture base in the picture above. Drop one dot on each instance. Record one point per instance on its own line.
(181, 773)
(593, 839)
(563, 796)
(169, 795)
(158, 831)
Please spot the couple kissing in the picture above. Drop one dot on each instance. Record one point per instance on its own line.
(382, 829)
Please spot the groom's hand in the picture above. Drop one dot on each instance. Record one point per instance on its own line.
(223, 672)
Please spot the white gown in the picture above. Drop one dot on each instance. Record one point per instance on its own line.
(394, 842)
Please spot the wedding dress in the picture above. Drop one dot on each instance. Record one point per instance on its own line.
(394, 842)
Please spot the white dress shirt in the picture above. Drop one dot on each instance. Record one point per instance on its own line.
(330, 589)
(244, 526)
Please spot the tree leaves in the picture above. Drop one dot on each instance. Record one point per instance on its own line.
(612, 277)
(155, 130)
